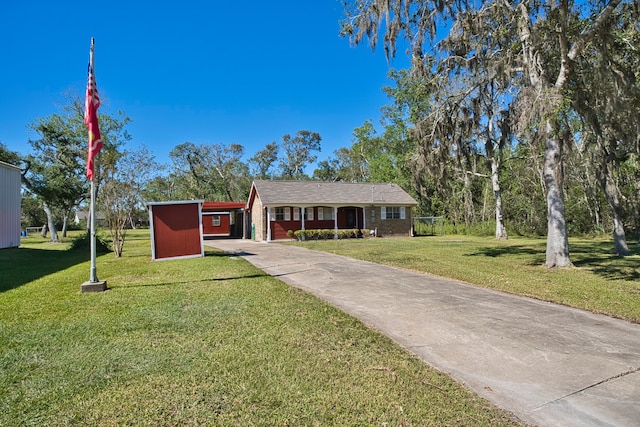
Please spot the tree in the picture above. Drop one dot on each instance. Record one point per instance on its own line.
(32, 213)
(9, 156)
(209, 171)
(298, 153)
(607, 97)
(544, 52)
(343, 166)
(56, 172)
(122, 193)
(262, 162)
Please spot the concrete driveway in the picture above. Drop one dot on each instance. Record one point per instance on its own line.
(550, 365)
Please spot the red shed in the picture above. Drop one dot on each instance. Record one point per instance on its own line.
(223, 219)
(176, 229)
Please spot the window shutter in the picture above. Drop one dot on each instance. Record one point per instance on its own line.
(383, 212)
(296, 214)
(309, 212)
(287, 214)
(402, 213)
(320, 214)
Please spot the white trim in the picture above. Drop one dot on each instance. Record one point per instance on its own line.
(152, 229)
(179, 257)
(215, 213)
(176, 202)
(270, 214)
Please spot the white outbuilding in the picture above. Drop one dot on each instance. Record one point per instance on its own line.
(9, 206)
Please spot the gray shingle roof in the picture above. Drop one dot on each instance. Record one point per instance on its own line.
(331, 193)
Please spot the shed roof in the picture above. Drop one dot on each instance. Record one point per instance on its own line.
(209, 206)
(9, 166)
(330, 193)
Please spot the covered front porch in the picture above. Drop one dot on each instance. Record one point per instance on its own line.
(282, 219)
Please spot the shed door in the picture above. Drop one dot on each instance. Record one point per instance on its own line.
(176, 230)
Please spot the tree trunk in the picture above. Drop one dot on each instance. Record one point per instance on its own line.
(64, 224)
(469, 212)
(557, 254)
(501, 231)
(612, 193)
(619, 238)
(51, 223)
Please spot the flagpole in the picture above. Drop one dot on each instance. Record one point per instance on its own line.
(93, 285)
(93, 275)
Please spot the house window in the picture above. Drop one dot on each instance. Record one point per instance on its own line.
(308, 214)
(392, 212)
(283, 214)
(215, 220)
(325, 214)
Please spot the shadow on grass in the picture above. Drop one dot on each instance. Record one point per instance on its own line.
(534, 255)
(23, 265)
(596, 256)
(600, 257)
(215, 279)
(220, 253)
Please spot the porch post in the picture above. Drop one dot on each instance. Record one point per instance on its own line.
(268, 223)
(335, 222)
(364, 217)
(244, 224)
(302, 212)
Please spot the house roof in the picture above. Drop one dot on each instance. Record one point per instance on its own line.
(315, 193)
(85, 215)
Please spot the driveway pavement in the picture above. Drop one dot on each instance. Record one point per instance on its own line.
(548, 364)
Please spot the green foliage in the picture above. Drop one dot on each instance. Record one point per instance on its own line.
(329, 234)
(298, 152)
(82, 242)
(207, 171)
(9, 156)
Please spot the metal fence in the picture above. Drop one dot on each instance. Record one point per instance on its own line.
(428, 225)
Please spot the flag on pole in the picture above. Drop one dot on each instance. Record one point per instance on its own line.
(92, 102)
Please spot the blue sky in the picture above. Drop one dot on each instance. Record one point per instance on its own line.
(205, 72)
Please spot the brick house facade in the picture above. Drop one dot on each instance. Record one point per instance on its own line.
(275, 207)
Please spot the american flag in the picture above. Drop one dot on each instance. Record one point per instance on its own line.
(92, 102)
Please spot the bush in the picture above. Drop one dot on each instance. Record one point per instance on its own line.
(329, 234)
(82, 242)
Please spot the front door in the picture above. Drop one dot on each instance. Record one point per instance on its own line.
(352, 221)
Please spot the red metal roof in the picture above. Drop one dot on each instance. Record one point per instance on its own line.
(212, 206)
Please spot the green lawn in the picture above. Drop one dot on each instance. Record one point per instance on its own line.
(600, 281)
(203, 341)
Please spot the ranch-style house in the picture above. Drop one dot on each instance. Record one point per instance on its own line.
(275, 207)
